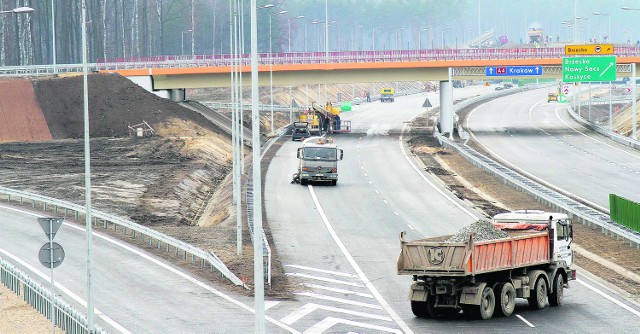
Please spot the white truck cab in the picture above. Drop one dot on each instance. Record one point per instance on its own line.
(559, 226)
(318, 161)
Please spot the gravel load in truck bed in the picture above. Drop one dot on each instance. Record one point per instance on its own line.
(483, 230)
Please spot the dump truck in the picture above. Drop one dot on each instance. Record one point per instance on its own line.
(318, 161)
(483, 278)
(386, 95)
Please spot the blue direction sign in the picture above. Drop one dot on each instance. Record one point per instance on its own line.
(514, 71)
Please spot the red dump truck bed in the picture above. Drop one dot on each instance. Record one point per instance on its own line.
(430, 257)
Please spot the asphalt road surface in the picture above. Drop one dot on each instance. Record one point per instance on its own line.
(541, 139)
(339, 243)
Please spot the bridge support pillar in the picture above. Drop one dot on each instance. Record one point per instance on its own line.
(446, 108)
(177, 95)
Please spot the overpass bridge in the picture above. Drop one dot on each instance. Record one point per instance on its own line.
(174, 74)
(298, 68)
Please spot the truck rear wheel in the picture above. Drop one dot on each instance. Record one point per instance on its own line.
(487, 305)
(538, 298)
(555, 298)
(303, 182)
(424, 309)
(506, 299)
(334, 182)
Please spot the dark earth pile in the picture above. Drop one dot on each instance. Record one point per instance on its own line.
(482, 229)
(114, 103)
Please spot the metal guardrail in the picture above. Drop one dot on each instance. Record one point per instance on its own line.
(552, 198)
(107, 219)
(248, 106)
(65, 317)
(601, 130)
(38, 70)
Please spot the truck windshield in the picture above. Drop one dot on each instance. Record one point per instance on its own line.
(320, 153)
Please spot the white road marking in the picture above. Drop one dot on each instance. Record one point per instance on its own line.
(370, 182)
(338, 300)
(601, 293)
(342, 291)
(270, 303)
(593, 138)
(385, 201)
(68, 292)
(329, 322)
(525, 321)
(355, 266)
(395, 213)
(411, 227)
(337, 273)
(377, 192)
(308, 308)
(324, 279)
(433, 185)
(173, 270)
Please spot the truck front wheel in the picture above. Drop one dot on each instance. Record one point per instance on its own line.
(487, 305)
(555, 298)
(538, 298)
(506, 299)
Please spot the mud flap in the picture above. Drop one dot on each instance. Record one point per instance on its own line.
(471, 295)
(418, 293)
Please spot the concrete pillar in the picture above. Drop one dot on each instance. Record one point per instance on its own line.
(446, 108)
(177, 95)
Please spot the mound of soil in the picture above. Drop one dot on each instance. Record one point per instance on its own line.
(115, 103)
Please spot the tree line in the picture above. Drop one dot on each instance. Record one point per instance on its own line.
(145, 28)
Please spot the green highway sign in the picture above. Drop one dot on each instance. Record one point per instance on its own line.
(588, 69)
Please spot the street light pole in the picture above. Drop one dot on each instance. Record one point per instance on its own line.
(258, 264)
(182, 41)
(53, 38)
(19, 10)
(326, 31)
(443, 31)
(87, 175)
(271, 60)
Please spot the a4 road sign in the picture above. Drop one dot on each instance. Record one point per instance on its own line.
(517, 71)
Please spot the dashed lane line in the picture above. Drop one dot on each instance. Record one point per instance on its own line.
(525, 321)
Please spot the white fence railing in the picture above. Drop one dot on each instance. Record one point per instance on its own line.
(64, 316)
